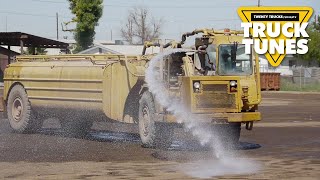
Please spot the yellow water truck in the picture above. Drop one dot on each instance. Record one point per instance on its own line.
(217, 81)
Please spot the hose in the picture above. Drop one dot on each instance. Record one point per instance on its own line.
(126, 64)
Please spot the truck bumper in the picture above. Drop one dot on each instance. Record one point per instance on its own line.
(239, 117)
(223, 117)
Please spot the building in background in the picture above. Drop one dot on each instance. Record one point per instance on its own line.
(286, 67)
(15, 43)
(119, 49)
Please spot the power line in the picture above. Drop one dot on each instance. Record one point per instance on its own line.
(42, 15)
(130, 6)
(108, 19)
(30, 14)
(48, 1)
(201, 20)
(175, 7)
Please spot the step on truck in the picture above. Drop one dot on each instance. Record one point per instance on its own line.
(216, 80)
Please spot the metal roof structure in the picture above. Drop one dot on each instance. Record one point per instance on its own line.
(5, 51)
(119, 49)
(29, 40)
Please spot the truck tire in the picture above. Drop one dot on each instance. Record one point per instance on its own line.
(75, 128)
(152, 133)
(21, 117)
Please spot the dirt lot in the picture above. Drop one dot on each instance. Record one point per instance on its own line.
(285, 145)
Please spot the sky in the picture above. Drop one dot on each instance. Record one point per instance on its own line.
(38, 17)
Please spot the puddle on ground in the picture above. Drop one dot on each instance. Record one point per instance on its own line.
(177, 145)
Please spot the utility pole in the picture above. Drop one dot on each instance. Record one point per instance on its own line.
(57, 18)
(258, 3)
(6, 23)
(111, 34)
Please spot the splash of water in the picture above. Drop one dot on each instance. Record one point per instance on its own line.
(191, 122)
(220, 167)
(205, 135)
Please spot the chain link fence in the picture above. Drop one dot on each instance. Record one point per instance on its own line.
(303, 78)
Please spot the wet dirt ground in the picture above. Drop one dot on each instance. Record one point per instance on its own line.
(286, 144)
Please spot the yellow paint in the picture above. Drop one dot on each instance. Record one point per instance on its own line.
(224, 117)
(106, 83)
(304, 15)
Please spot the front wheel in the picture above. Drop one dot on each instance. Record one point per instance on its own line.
(152, 133)
(21, 117)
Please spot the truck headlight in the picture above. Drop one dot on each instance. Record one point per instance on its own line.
(233, 86)
(196, 85)
(233, 83)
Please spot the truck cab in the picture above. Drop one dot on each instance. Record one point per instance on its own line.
(215, 80)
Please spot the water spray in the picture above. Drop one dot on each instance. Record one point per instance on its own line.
(192, 123)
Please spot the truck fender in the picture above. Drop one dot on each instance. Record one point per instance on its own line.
(143, 88)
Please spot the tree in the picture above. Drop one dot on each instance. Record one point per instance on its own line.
(141, 26)
(87, 14)
(36, 51)
(314, 43)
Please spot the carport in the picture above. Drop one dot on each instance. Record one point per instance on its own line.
(28, 40)
(22, 40)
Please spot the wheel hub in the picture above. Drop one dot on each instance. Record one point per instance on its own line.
(17, 109)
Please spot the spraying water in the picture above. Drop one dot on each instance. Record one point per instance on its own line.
(224, 164)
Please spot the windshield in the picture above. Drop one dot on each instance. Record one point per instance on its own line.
(233, 60)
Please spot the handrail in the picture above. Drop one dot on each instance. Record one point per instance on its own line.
(209, 32)
(77, 57)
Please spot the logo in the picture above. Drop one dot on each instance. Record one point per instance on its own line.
(275, 31)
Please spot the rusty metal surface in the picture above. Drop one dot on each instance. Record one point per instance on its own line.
(270, 81)
(29, 40)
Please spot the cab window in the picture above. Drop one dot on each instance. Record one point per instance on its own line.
(233, 60)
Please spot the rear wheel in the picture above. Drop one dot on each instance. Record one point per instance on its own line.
(21, 117)
(152, 133)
